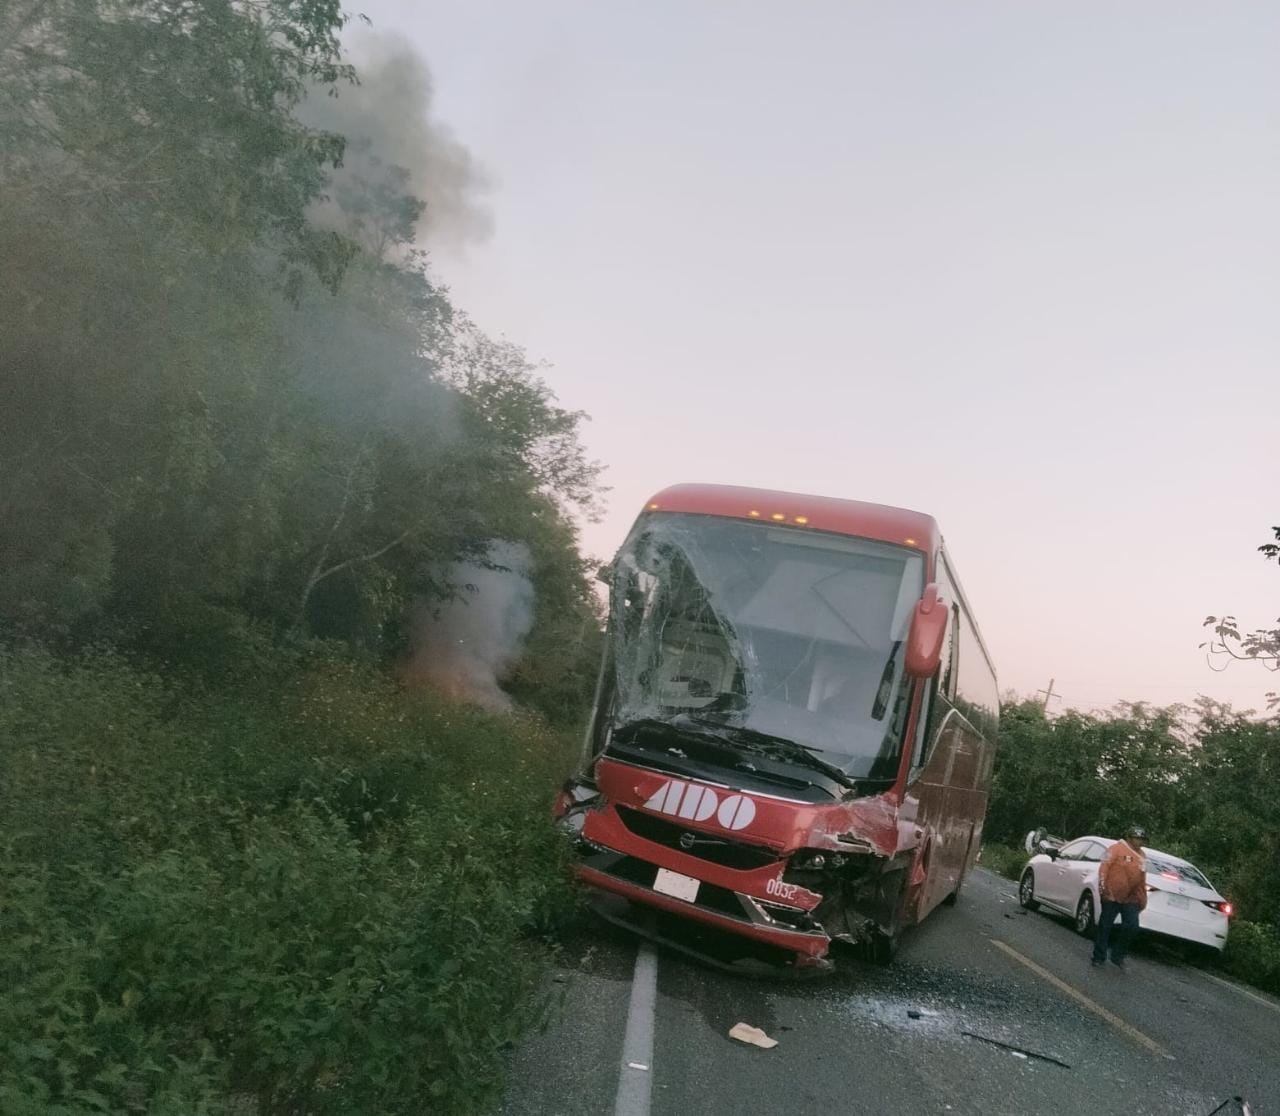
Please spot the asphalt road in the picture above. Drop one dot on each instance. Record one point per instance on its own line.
(919, 1036)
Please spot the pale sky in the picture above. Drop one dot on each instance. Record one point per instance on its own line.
(1013, 264)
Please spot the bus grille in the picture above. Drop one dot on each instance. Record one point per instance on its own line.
(729, 854)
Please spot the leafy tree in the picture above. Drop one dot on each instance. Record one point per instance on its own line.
(176, 115)
(1261, 646)
(232, 397)
(1235, 834)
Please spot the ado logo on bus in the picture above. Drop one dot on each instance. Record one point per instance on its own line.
(694, 803)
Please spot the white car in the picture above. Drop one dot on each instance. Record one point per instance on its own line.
(1181, 903)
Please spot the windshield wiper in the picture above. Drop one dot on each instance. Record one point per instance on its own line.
(765, 742)
(723, 741)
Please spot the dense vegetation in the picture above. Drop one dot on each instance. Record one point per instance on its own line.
(244, 435)
(307, 893)
(232, 393)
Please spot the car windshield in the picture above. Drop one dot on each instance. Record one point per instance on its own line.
(780, 631)
(1186, 873)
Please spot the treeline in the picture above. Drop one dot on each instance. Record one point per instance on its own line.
(244, 437)
(232, 396)
(1203, 781)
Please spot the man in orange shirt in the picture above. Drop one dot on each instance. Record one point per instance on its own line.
(1122, 883)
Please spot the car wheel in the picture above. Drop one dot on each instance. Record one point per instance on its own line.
(1084, 915)
(1027, 891)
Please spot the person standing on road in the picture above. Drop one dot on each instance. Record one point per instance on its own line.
(1122, 883)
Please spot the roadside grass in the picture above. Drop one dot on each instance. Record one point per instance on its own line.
(1004, 860)
(304, 892)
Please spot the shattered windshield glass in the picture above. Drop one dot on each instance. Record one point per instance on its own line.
(781, 631)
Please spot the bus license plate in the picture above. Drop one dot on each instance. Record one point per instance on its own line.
(1179, 901)
(676, 885)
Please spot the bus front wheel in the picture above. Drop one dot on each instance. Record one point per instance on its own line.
(881, 948)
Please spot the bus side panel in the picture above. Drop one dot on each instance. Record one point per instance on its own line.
(952, 802)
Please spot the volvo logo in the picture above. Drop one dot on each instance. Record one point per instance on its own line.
(694, 803)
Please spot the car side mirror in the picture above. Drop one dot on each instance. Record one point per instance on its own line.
(1052, 854)
(928, 630)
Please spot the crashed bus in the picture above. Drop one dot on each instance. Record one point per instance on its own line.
(794, 725)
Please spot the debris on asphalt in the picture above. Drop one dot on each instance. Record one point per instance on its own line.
(753, 1036)
(1244, 1107)
(1018, 1051)
(912, 1013)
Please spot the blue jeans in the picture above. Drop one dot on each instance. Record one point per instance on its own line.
(1128, 913)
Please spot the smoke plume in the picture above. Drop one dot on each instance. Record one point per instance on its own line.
(465, 646)
(395, 143)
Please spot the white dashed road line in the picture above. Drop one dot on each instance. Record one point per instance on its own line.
(1084, 1001)
(635, 1079)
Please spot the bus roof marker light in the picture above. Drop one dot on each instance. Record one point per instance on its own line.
(754, 514)
(778, 517)
(802, 519)
(910, 542)
(653, 507)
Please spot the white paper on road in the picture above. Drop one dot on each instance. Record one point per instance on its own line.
(744, 1032)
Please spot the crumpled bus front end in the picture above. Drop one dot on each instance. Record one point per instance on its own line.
(781, 874)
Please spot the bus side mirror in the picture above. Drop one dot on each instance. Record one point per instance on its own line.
(928, 630)
(604, 574)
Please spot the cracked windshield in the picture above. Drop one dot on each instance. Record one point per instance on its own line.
(779, 631)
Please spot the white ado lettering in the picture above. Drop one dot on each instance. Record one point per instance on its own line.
(781, 890)
(695, 803)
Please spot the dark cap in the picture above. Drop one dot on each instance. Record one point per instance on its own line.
(1136, 832)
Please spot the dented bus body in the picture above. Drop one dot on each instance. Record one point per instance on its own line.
(794, 725)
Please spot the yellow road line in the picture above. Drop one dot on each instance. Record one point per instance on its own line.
(1084, 1001)
(1243, 991)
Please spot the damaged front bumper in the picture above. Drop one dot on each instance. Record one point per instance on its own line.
(764, 895)
(785, 928)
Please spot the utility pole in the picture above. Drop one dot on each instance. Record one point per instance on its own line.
(1047, 695)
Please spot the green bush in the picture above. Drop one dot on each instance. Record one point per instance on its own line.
(317, 894)
(1004, 860)
(1253, 954)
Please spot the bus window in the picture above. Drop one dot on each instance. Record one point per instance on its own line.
(924, 726)
(977, 696)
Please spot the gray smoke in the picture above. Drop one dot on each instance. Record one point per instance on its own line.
(393, 141)
(465, 646)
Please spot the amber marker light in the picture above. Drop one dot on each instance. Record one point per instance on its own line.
(653, 507)
(910, 542)
(778, 517)
(753, 514)
(802, 519)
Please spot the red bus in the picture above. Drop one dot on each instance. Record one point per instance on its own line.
(794, 725)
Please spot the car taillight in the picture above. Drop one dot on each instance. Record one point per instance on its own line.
(1220, 905)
